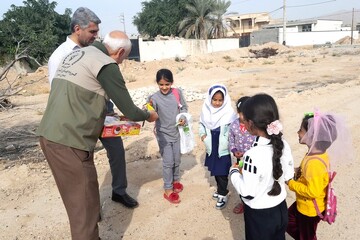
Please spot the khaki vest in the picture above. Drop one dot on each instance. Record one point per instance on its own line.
(83, 64)
(76, 108)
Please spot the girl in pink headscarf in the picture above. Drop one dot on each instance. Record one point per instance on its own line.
(326, 138)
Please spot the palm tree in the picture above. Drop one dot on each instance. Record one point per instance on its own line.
(199, 19)
(218, 29)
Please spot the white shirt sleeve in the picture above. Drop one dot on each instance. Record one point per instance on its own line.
(55, 59)
(287, 162)
(257, 178)
(53, 63)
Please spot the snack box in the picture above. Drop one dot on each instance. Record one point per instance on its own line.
(115, 127)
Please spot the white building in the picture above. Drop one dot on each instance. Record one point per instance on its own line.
(244, 24)
(300, 33)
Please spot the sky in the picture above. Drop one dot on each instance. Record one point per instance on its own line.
(118, 14)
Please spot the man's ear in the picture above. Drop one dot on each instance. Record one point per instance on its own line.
(121, 52)
(77, 28)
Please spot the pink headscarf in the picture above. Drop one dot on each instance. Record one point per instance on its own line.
(329, 130)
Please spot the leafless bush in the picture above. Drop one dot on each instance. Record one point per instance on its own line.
(8, 89)
(264, 53)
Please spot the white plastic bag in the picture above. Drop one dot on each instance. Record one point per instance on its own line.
(187, 142)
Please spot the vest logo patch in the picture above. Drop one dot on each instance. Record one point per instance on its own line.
(72, 58)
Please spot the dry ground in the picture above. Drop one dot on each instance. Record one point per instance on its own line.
(298, 78)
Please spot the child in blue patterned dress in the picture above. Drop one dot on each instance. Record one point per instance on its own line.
(240, 140)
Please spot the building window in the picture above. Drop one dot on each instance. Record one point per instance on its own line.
(306, 28)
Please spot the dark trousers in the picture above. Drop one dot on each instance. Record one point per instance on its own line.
(222, 183)
(266, 224)
(76, 178)
(301, 227)
(116, 154)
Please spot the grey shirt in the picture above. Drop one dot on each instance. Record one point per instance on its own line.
(167, 108)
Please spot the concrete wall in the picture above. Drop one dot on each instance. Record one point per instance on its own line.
(326, 25)
(311, 38)
(294, 38)
(163, 49)
(264, 36)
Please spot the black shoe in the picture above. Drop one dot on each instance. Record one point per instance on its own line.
(125, 200)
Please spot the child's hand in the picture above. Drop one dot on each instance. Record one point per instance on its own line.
(203, 137)
(238, 154)
(181, 122)
(297, 173)
(235, 165)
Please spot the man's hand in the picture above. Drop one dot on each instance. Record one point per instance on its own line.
(153, 116)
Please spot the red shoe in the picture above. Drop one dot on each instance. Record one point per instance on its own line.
(177, 187)
(173, 197)
(239, 208)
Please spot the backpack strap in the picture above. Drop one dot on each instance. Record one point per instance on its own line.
(175, 91)
(331, 177)
(317, 209)
(320, 159)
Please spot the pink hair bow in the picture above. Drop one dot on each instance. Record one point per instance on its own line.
(274, 128)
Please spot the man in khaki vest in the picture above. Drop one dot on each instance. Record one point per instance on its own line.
(73, 120)
(84, 30)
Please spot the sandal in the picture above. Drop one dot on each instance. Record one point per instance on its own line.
(172, 198)
(177, 187)
(239, 208)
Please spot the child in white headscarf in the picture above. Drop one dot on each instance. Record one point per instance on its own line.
(216, 116)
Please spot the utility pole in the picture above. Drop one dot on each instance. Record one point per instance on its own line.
(352, 26)
(122, 20)
(284, 23)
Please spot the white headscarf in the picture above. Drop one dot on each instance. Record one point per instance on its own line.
(212, 117)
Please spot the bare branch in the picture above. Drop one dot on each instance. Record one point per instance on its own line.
(9, 90)
(7, 68)
(34, 59)
(18, 56)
